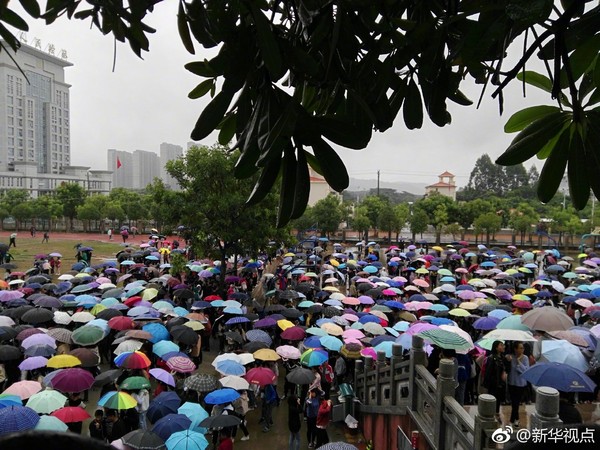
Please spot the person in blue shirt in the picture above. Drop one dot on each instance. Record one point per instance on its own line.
(311, 411)
(519, 363)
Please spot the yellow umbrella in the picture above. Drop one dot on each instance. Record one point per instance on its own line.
(194, 325)
(331, 289)
(511, 271)
(284, 324)
(524, 270)
(63, 361)
(437, 248)
(422, 270)
(289, 254)
(266, 354)
(149, 294)
(332, 329)
(459, 312)
(97, 308)
(82, 275)
(582, 255)
(334, 262)
(468, 305)
(530, 291)
(522, 297)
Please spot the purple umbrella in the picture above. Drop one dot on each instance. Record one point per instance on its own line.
(71, 380)
(163, 375)
(39, 339)
(365, 300)
(205, 274)
(35, 362)
(486, 323)
(419, 327)
(6, 296)
(265, 323)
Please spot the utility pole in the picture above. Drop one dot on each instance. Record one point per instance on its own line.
(378, 183)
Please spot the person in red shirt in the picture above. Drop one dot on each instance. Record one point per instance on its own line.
(323, 419)
(225, 442)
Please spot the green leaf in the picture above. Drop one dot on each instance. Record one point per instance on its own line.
(579, 185)
(531, 140)
(13, 19)
(554, 168)
(201, 90)
(288, 187)
(302, 191)
(333, 168)
(227, 127)
(245, 166)
(536, 79)
(547, 149)
(521, 119)
(202, 68)
(597, 73)
(344, 133)
(313, 162)
(32, 7)
(459, 98)
(265, 182)
(283, 128)
(592, 155)
(182, 27)
(581, 59)
(212, 115)
(267, 43)
(413, 107)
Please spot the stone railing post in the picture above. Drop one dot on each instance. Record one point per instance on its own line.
(485, 421)
(378, 366)
(417, 357)
(546, 408)
(394, 361)
(368, 366)
(446, 385)
(359, 370)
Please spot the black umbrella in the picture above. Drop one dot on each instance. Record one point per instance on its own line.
(7, 333)
(184, 334)
(115, 292)
(291, 313)
(220, 421)
(300, 375)
(37, 315)
(332, 311)
(143, 439)
(49, 286)
(251, 347)
(252, 316)
(3, 247)
(9, 266)
(171, 323)
(9, 353)
(234, 336)
(316, 308)
(274, 308)
(183, 293)
(108, 313)
(40, 350)
(288, 295)
(305, 287)
(42, 279)
(107, 377)
(202, 382)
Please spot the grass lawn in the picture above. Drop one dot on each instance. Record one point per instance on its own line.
(28, 247)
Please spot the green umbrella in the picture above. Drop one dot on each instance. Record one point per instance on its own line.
(445, 339)
(87, 335)
(46, 401)
(512, 323)
(135, 383)
(51, 423)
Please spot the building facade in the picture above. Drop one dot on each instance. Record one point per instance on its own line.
(169, 152)
(121, 164)
(34, 110)
(445, 186)
(146, 167)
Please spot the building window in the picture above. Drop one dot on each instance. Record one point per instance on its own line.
(11, 121)
(19, 87)
(10, 84)
(10, 110)
(11, 131)
(9, 100)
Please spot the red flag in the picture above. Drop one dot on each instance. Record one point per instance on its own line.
(118, 163)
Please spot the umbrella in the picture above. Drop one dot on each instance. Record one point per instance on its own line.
(163, 375)
(17, 418)
(560, 376)
(10, 400)
(234, 336)
(445, 339)
(163, 404)
(266, 354)
(194, 411)
(185, 335)
(301, 376)
(143, 439)
(233, 382)
(510, 335)
(158, 331)
(189, 440)
(132, 360)
(337, 446)
(51, 423)
(288, 352)
(107, 377)
(87, 335)
(486, 323)
(71, 380)
(259, 335)
(121, 323)
(230, 367)
(261, 376)
(135, 383)
(46, 401)
(117, 400)
(171, 423)
(294, 333)
(220, 421)
(34, 362)
(163, 347)
(512, 323)
(547, 319)
(129, 345)
(37, 315)
(201, 383)
(63, 361)
(61, 335)
(181, 364)
(564, 352)
(314, 357)
(351, 351)
(71, 414)
(23, 389)
(9, 353)
(221, 396)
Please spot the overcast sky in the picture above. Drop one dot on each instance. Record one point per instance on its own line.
(144, 103)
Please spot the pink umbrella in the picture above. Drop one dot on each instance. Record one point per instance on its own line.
(288, 352)
(102, 280)
(350, 317)
(466, 295)
(260, 376)
(421, 283)
(351, 301)
(400, 279)
(352, 341)
(38, 339)
(353, 333)
(369, 351)
(24, 389)
(181, 364)
(584, 302)
(388, 292)
(419, 327)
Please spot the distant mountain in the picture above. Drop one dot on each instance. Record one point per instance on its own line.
(357, 184)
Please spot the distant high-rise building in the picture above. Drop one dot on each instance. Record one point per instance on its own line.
(146, 166)
(121, 164)
(169, 152)
(34, 110)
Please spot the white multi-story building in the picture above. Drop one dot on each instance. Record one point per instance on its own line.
(146, 167)
(169, 152)
(34, 110)
(121, 164)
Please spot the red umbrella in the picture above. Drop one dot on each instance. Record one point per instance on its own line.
(261, 376)
(69, 414)
(211, 298)
(132, 300)
(71, 380)
(121, 323)
(522, 304)
(293, 334)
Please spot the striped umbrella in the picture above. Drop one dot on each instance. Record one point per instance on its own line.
(445, 339)
(181, 364)
(314, 357)
(17, 418)
(117, 400)
(259, 335)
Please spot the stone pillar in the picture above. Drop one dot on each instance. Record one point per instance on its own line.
(358, 371)
(485, 421)
(394, 361)
(546, 408)
(368, 367)
(380, 363)
(417, 356)
(446, 385)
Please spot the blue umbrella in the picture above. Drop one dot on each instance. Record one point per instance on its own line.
(10, 400)
(369, 318)
(171, 423)
(195, 412)
(163, 347)
(187, 440)
(230, 367)
(259, 336)
(383, 338)
(331, 343)
(498, 313)
(313, 342)
(237, 320)
(17, 418)
(386, 347)
(486, 323)
(370, 269)
(163, 404)
(221, 396)
(560, 376)
(442, 321)
(158, 331)
(564, 352)
(394, 304)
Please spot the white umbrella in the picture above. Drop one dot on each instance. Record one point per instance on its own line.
(231, 356)
(129, 345)
(82, 317)
(233, 382)
(462, 333)
(62, 318)
(505, 334)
